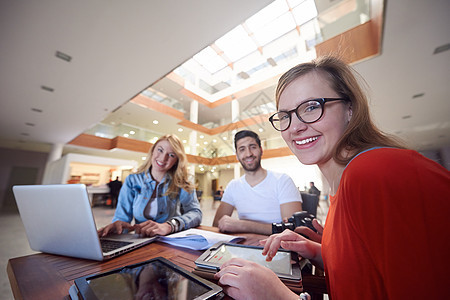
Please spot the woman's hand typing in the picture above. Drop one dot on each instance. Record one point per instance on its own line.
(116, 227)
(292, 241)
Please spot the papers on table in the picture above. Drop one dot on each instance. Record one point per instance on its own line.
(198, 239)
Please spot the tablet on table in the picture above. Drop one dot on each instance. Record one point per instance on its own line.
(157, 278)
(285, 263)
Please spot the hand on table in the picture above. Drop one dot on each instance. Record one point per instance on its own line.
(152, 228)
(243, 279)
(228, 224)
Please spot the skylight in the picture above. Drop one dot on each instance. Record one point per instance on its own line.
(275, 29)
(236, 44)
(267, 15)
(284, 29)
(210, 60)
(305, 12)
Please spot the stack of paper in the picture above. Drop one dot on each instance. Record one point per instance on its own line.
(198, 239)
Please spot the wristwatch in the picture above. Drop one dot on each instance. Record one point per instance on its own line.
(174, 225)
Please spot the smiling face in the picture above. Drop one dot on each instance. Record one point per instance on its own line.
(163, 158)
(249, 153)
(314, 143)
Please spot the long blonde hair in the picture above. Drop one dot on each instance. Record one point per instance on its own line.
(361, 133)
(178, 172)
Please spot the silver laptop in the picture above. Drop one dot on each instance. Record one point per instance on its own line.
(58, 219)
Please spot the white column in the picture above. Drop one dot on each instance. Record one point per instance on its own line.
(237, 170)
(193, 135)
(234, 110)
(55, 152)
(193, 150)
(194, 112)
(235, 118)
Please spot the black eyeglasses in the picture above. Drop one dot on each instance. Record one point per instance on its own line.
(308, 112)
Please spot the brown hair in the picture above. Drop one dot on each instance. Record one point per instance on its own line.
(361, 133)
(178, 172)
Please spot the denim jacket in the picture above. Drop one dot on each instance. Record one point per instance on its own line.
(136, 193)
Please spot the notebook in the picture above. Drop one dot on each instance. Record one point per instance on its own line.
(58, 219)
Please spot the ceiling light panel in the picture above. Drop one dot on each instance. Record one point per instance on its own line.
(418, 95)
(47, 88)
(441, 48)
(63, 56)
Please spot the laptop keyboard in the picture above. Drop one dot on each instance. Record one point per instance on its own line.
(110, 245)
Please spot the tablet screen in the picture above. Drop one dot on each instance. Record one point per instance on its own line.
(150, 281)
(281, 263)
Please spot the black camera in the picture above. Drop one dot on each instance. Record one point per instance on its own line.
(300, 218)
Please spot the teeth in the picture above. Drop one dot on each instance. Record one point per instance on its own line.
(302, 142)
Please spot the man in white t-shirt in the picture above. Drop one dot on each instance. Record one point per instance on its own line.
(260, 197)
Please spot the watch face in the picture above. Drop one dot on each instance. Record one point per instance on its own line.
(175, 224)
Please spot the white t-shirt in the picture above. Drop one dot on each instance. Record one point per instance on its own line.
(262, 202)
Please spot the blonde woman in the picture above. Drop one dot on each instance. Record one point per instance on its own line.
(159, 196)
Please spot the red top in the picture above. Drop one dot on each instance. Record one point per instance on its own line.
(387, 231)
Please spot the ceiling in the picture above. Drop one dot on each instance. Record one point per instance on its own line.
(118, 49)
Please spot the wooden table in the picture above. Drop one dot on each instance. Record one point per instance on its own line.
(46, 276)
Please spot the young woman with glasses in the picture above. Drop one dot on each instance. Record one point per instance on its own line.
(384, 237)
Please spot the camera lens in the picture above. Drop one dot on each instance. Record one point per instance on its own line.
(277, 227)
(289, 225)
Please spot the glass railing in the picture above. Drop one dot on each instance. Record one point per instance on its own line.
(124, 130)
